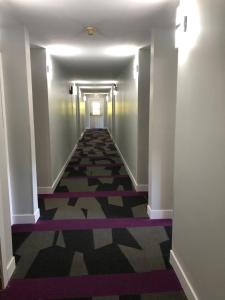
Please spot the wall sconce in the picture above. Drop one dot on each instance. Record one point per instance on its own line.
(85, 98)
(115, 92)
(107, 98)
(71, 90)
(181, 26)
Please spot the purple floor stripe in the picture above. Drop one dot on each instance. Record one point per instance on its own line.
(95, 157)
(100, 176)
(92, 285)
(90, 224)
(93, 194)
(96, 165)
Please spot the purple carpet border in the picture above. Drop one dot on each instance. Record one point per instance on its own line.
(92, 285)
(92, 194)
(99, 176)
(95, 165)
(95, 157)
(90, 224)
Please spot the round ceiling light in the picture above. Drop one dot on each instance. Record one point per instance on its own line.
(63, 50)
(122, 50)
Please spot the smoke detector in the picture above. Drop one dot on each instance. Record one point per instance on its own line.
(90, 30)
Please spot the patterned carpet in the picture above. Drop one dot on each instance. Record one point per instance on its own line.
(94, 239)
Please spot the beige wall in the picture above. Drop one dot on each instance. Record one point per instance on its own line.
(199, 189)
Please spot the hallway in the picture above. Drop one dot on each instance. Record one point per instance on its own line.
(112, 149)
(94, 232)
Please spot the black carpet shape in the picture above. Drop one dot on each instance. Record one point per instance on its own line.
(61, 189)
(72, 201)
(130, 297)
(93, 181)
(85, 212)
(18, 239)
(79, 240)
(122, 236)
(166, 246)
(54, 261)
(47, 214)
(113, 258)
(132, 201)
(125, 182)
(113, 211)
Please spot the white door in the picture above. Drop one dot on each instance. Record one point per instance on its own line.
(5, 215)
(96, 112)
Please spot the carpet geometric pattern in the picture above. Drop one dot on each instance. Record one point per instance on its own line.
(81, 252)
(94, 240)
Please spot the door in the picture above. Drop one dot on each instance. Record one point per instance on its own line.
(96, 110)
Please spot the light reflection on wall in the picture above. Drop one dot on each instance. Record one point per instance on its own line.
(186, 41)
(49, 67)
(136, 68)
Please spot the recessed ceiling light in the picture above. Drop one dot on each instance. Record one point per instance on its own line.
(63, 50)
(122, 50)
(150, 1)
(90, 30)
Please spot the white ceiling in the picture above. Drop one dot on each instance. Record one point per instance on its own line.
(118, 22)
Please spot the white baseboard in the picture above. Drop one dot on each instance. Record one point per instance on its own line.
(50, 189)
(45, 189)
(159, 214)
(27, 218)
(184, 281)
(11, 266)
(141, 187)
(137, 186)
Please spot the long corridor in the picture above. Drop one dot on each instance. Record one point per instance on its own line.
(94, 239)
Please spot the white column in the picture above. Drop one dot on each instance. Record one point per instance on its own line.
(162, 123)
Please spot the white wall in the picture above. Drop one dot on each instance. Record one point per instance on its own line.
(131, 117)
(162, 123)
(82, 113)
(143, 115)
(7, 262)
(41, 117)
(14, 45)
(126, 117)
(56, 118)
(199, 189)
(62, 117)
(109, 113)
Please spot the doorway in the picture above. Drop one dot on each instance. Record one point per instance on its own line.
(95, 112)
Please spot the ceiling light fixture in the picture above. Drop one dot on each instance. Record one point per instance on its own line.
(90, 30)
(121, 51)
(63, 50)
